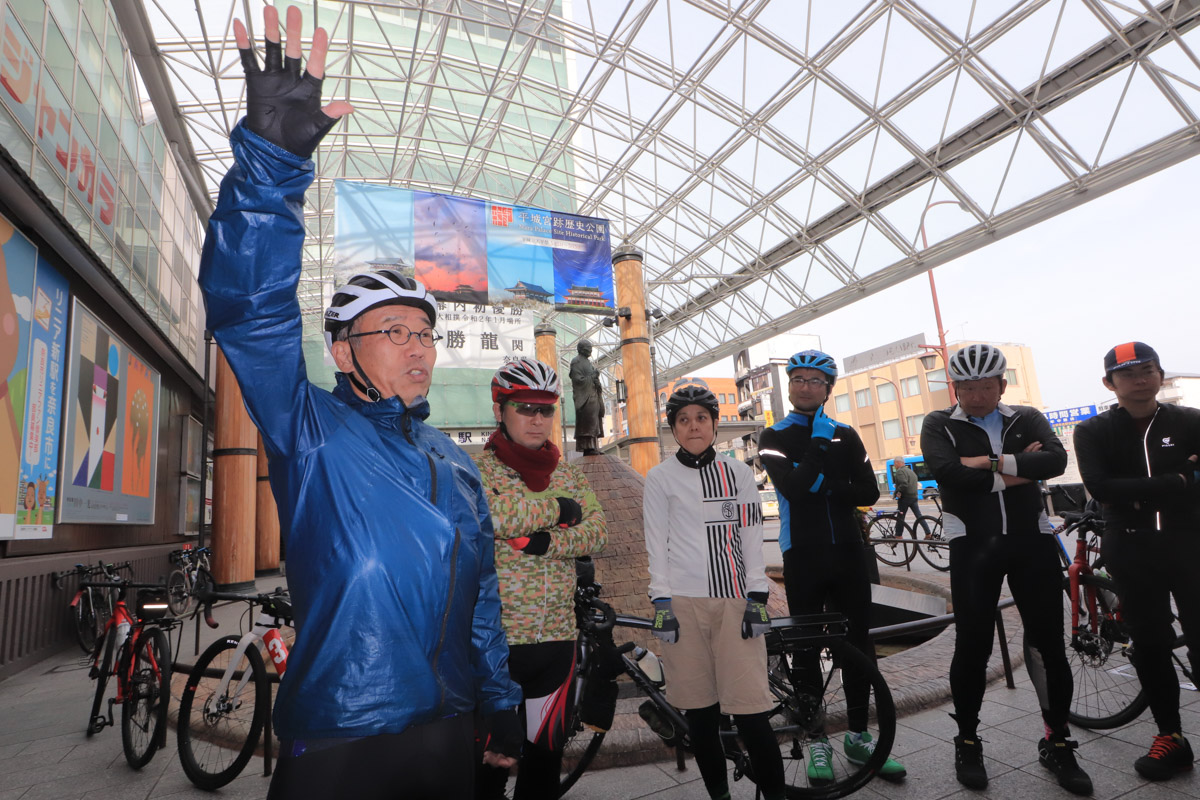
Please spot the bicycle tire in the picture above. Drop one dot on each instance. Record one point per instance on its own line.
(936, 549)
(178, 598)
(147, 695)
(800, 718)
(1107, 691)
(581, 743)
(891, 529)
(217, 735)
(85, 623)
(101, 678)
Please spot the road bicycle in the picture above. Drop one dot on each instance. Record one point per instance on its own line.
(896, 542)
(190, 565)
(227, 698)
(815, 643)
(134, 649)
(91, 607)
(1100, 650)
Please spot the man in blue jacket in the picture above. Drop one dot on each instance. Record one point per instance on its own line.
(389, 542)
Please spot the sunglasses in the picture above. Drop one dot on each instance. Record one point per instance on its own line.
(533, 409)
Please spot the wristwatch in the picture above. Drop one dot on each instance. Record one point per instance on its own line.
(995, 463)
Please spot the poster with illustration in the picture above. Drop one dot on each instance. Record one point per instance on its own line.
(17, 259)
(38, 486)
(111, 429)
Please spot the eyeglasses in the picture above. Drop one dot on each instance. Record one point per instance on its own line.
(813, 382)
(533, 409)
(400, 334)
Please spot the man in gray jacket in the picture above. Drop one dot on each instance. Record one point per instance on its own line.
(907, 489)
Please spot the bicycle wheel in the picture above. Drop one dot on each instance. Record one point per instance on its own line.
(178, 598)
(936, 549)
(218, 733)
(892, 546)
(144, 712)
(1108, 693)
(97, 721)
(581, 743)
(85, 623)
(803, 717)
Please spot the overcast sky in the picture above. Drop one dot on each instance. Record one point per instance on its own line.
(1118, 268)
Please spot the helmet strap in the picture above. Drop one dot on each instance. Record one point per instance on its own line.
(373, 394)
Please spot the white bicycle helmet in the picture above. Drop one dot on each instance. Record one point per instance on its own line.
(524, 374)
(366, 290)
(977, 361)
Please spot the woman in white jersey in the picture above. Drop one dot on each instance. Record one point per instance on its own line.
(703, 528)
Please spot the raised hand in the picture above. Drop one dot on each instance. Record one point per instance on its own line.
(283, 105)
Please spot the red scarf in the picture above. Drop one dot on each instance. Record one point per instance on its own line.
(534, 466)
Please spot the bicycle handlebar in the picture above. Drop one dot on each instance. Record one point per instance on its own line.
(205, 597)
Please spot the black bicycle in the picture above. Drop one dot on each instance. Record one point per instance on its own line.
(94, 600)
(813, 646)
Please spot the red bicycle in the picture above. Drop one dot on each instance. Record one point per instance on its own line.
(135, 650)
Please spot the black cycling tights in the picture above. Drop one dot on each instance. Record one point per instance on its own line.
(978, 565)
(704, 729)
(1149, 568)
(426, 762)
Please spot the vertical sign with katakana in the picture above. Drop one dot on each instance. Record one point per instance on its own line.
(37, 491)
(18, 258)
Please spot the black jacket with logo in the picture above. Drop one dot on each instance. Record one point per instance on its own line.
(1138, 477)
(972, 500)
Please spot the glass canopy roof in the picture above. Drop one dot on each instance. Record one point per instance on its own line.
(774, 159)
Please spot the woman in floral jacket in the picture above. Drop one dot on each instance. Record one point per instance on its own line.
(544, 515)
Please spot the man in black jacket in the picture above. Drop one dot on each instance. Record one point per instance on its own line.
(987, 458)
(822, 473)
(1139, 459)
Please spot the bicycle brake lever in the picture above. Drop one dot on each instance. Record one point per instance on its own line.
(208, 617)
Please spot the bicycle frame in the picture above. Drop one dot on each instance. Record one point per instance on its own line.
(265, 630)
(1079, 565)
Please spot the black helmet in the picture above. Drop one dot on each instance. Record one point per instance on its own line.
(691, 395)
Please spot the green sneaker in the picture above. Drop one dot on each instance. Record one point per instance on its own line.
(858, 753)
(820, 762)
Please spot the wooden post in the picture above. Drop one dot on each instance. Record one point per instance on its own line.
(635, 358)
(266, 521)
(546, 350)
(235, 458)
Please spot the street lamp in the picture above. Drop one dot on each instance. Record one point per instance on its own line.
(937, 312)
(899, 407)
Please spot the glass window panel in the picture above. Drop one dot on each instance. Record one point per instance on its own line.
(142, 201)
(114, 50)
(47, 179)
(110, 94)
(1011, 376)
(94, 10)
(66, 12)
(19, 146)
(911, 386)
(129, 125)
(891, 429)
(841, 402)
(32, 14)
(87, 108)
(936, 380)
(90, 55)
(915, 422)
(110, 144)
(58, 57)
(886, 392)
(862, 398)
(145, 161)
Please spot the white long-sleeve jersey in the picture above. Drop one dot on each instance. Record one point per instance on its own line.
(703, 530)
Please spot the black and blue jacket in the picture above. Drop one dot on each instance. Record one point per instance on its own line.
(819, 487)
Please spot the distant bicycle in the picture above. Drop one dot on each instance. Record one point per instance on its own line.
(896, 542)
(135, 650)
(190, 563)
(92, 604)
(227, 697)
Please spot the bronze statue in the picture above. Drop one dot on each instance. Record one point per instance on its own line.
(589, 402)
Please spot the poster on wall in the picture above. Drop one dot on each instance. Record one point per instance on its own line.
(18, 258)
(110, 436)
(37, 492)
(477, 252)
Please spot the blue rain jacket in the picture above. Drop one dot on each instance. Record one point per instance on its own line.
(389, 542)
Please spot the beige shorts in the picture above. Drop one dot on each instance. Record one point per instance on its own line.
(711, 663)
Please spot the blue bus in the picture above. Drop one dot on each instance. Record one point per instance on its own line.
(917, 465)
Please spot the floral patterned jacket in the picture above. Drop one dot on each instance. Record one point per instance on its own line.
(537, 592)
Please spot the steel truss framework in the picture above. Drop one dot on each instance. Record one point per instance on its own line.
(774, 159)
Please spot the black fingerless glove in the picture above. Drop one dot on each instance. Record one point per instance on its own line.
(502, 733)
(283, 105)
(570, 513)
(537, 545)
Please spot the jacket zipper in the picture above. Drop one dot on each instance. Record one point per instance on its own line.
(1146, 453)
(437, 653)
